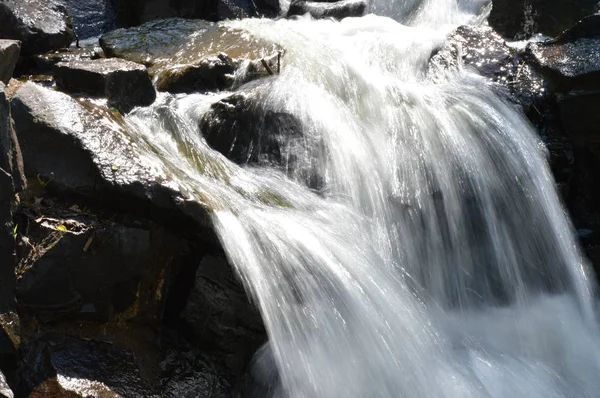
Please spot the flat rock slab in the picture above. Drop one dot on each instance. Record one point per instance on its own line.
(9, 55)
(124, 83)
(85, 149)
(41, 25)
(337, 10)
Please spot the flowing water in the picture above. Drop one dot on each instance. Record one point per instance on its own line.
(432, 258)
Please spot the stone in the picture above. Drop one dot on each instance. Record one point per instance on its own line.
(516, 19)
(43, 64)
(11, 159)
(7, 241)
(77, 147)
(124, 84)
(222, 320)
(240, 129)
(338, 9)
(580, 116)
(9, 55)
(5, 390)
(61, 366)
(40, 25)
(90, 18)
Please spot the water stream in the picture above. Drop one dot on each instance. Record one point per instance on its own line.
(432, 259)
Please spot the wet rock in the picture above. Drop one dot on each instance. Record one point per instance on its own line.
(579, 114)
(62, 366)
(520, 20)
(240, 129)
(191, 374)
(83, 267)
(573, 60)
(337, 9)
(212, 73)
(81, 148)
(9, 55)
(221, 318)
(90, 18)
(40, 25)
(43, 64)
(124, 84)
(5, 391)
(152, 41)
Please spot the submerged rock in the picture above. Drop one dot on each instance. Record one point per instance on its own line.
(62, 366)
(80, 148)
(328, 9)
(124, 84)
(9, 55)
(40, 25)
(520, 20)
(239, 128)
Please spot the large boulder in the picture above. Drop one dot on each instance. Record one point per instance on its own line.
(40, 25)
(124, 84)
(336, 9)
(79, 148)
(518, 19)
(9, 55)
(61, 366)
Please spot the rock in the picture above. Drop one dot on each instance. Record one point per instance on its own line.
(43, 64)
(11, 160)
(5, 391)
(84, 267)
(90, 18)
(191, 375)
(125, 84)
(62, 366)
(152, 41)
(40, 25)
(9, 55)
(221, 318)
(573, 60)
(240, 129)
(7, 242)
(337, 9)
(79, 148)
(580, 116)
(516, 19)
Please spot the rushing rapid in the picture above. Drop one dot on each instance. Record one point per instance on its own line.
(414, 244)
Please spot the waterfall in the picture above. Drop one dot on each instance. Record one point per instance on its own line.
(432, 259)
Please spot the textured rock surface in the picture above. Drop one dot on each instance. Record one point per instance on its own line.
(40, 25)
(90, 17)
(9, 55)
(5, 390)
(61, 366)
(338, 9)
(124, 84)
(81, 148)
(10, 152)
(518, 19)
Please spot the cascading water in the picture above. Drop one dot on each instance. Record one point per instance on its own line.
(433, 259)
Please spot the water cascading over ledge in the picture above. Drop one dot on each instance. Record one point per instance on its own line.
(432, 259)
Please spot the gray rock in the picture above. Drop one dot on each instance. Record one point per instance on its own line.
(61, 366)
(9, 55)
(90, 18)
(10, 152)
(337, 9)
(520, 20)
(81, 148)
(124, 83)
(40, 25)
(220, 315)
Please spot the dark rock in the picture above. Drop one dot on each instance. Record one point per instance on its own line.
(43, 64)
(91, 18)
(5, 391)
(191, 375)
(573, 60)
(240, 129)
(580, 116)
(520, 20)
(221, 318)
(40, 25)
(212, 73)
(7, 242)
(82, 267)
(338, 9)
(82, 149)
(62, 366)
(152, 41)
(124, 83)
(11, 159)
(9, 55)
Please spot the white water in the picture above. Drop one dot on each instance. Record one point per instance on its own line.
(434, 261)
